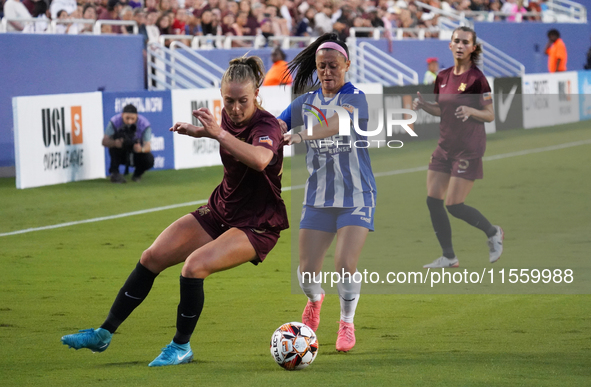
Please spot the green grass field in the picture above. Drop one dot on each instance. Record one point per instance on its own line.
(56, 281)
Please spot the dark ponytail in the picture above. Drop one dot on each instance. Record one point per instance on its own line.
(304, 64)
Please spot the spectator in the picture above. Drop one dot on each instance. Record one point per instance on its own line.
(374, 19)
(200, 6)
(15, 9)
(112, 13)
(164, 25)
(251, 22)
(57, 5)
(139, 15)
(179, 23)
(306, 26)
(128, 136)
(62, 28)
(164, 6)
(556, 51)
(193, 26)
(278, 74)
(278, 24)
(232, 8)
(40, 13)
(151, 28)
(151, 5)
(323, 20)
(343, 23)
(126, 14)
(534, 7)
(207, 23)
(240, 26)
(432, 70)
(495, 8)
(228, 25)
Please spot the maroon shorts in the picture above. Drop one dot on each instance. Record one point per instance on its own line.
(466, 169)
(261, 240)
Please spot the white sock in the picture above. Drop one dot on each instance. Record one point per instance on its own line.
(349, 293)
(311, 289)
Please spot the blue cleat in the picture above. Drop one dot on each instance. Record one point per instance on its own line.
(173, 354)
(97, 340)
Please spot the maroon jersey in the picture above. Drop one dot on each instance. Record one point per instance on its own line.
(245, 197)
(457, 139)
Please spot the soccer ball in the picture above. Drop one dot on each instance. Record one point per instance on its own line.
(294, 346)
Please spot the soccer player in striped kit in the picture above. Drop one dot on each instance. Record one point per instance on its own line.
(340, 193)
(464, 103)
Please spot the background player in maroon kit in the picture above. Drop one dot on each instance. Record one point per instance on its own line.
(464, 102)
(240, 223)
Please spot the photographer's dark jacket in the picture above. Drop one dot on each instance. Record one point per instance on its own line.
(141, 126)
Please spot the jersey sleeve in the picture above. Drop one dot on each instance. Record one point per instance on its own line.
(483, 89)
(147, 135)
(110, 129)
(355, 101)
(267, 134)
(292, 115)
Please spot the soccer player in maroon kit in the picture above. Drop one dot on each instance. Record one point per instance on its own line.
(464, 103)
(240, 223)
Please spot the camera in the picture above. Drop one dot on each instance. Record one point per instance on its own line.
(127, 133)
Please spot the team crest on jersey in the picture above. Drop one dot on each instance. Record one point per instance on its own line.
(348, 107)
(462, 87)
(266, 140)
(487, 96)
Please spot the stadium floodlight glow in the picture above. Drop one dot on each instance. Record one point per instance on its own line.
(345, 127)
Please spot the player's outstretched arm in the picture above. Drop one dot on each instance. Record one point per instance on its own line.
(255, 157)
(189, 130)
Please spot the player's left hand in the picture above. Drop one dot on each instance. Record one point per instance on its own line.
(137, 148)
(463, 113)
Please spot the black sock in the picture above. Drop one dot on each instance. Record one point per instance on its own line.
(441, 225)
(133, 292)
(473, 217)
(189, 308)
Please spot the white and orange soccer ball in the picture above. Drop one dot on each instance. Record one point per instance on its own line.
(294, 346)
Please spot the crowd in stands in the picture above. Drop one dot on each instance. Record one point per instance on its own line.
(257, 17)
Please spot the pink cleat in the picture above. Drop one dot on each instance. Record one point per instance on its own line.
(346, 336)
(311, 315)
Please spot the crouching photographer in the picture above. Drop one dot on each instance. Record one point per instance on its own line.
(128, 138)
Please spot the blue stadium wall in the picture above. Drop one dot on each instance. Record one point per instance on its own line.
(55, 64)
(526, 42)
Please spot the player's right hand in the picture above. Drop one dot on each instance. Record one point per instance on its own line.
(185, 128)
(418, 102)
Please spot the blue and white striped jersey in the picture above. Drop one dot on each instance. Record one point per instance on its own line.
(340, 172)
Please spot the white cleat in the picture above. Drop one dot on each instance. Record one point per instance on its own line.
(443, 262)
(495, 245)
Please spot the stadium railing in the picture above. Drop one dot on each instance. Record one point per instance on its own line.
(170, 69)
(22, 20)
(53, 23)
(99, 23)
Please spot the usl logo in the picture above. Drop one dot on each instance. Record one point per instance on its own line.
(55, 130)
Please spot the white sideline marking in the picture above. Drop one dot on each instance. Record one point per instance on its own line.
(380, 174)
